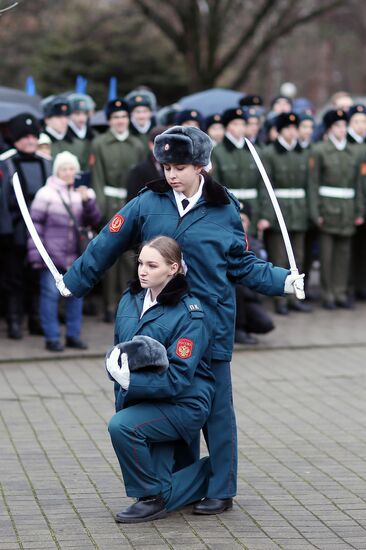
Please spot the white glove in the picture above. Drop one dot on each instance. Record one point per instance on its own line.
(63, 290)
(294, 284)
(121, 374)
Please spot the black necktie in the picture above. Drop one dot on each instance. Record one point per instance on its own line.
(185, 203)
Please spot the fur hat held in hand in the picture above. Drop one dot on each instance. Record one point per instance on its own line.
(144, 353)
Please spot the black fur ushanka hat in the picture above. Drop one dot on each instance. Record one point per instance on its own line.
(183, 145)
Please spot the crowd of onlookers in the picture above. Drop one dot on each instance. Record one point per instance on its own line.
(75, 175)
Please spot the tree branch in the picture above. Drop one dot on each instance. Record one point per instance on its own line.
(164, 25)
(246, 36)
(277, 33)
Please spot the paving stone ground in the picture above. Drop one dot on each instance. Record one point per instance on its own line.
(301, 412)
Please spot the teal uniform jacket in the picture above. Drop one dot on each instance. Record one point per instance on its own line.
(214, 249)
(176, 321)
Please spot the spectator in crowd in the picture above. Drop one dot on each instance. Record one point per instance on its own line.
(44, 146)
(56, 110)
(288, 168)
(54, 224)
(142, 119)
(233, 164)
(147, 170)
(341, 100)
(338, 206)
(215, 128)
(251, 316)
(21, 282)
(189, 117)
(356, 132)
(80, 134)
(114, 153)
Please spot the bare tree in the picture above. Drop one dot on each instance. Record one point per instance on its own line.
(215, 35)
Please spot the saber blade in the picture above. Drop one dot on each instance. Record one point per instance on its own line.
(290, 253)
(32, 230)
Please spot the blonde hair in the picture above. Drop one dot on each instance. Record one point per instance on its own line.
(168, 248)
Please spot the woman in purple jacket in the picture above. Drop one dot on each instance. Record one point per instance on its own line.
(60, 236)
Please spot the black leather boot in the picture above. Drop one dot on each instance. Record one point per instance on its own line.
(14, 318)
(145, 509)
(210, 506)
(34, 324)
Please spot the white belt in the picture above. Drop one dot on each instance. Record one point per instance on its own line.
(290, 193)
(115, 192)
(336, 192)
(244, 193)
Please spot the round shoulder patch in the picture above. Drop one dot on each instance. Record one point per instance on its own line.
(184, 348)
(116, 223)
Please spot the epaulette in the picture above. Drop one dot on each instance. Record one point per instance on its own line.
(194, 307)
(9, 153)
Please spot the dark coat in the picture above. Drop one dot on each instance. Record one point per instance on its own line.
(33, 171)
(140, 175)
(214, 248)
(176, 321)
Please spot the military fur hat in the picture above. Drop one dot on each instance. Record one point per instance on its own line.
(115, 105)
(144, 353)
(232, 114)
(81, 102)
(356, 110)
(250, 100)
(139, 100)
(23, 125)
(186, 115)
(251, 112)
(55, 106)
(333, 116)
(213, 119)
(183, 145)
(283, 120)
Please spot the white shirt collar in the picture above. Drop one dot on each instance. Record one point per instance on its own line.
(355, 136)
(340, 145)
(120, 137)
(54, 133)
(148, 302)
(304, 143)
(289, 146)
(239, 143)
(179, 196)
(80, 132)
(141, 129)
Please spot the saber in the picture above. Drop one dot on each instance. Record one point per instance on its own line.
(300, 294)
(32, 230)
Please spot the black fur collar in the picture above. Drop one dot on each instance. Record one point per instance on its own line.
(171, 293)
(282, 150)
(214, 193)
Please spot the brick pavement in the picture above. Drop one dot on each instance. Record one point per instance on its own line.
(302, 447)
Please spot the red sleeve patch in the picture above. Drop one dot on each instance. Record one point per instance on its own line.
(116, 223)
(184, 348)
(363, 169)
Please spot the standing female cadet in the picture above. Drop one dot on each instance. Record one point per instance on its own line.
(203, 217)
(154, 410)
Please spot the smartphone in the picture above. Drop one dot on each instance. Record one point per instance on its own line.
(82, 178)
